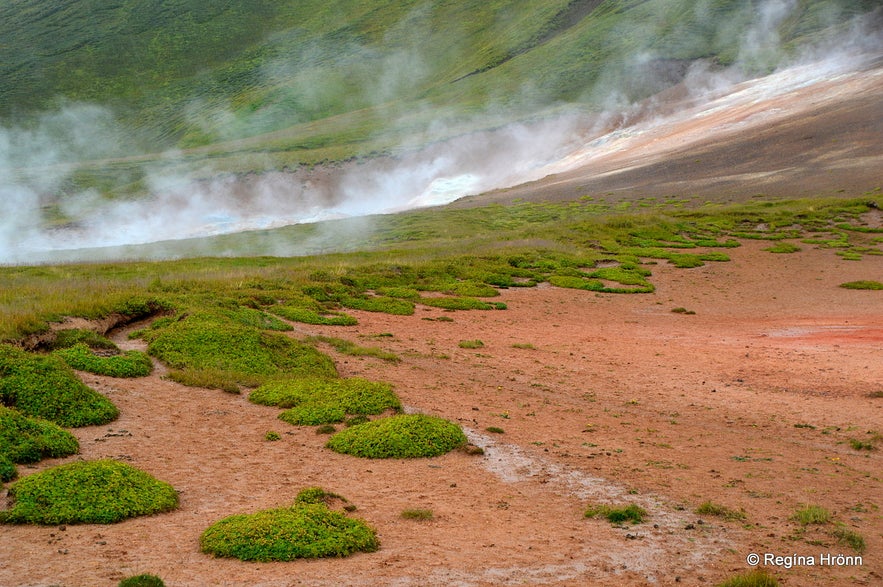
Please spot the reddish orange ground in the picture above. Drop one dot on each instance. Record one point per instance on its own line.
(620, 400)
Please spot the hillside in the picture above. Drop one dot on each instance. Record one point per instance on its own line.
(123, 125)
(337, 75)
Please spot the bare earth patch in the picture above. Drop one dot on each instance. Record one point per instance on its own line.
(607, 399)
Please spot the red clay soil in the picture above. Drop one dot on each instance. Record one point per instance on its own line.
(749, 403)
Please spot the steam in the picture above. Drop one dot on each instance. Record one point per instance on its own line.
(40, 214)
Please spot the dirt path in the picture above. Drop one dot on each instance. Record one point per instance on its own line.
(618, 400)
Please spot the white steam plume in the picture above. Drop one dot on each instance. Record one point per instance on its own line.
(36, 162)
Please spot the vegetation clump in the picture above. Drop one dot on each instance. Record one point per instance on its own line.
(316, 401)
(28, 440)
(88, 492)
(308, 316)
(756, 578)
(470, 344)
(232, 352)
(128, 364)
(71, 336)
(812, 514)
(44, 386)
(712, 509)
(862, 284)
(850, 538)
(145, 580)
(399, 437)
(307, 529)
(618, 515)
(418, 514)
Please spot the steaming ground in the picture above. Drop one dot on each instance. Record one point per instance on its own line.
(811, 129)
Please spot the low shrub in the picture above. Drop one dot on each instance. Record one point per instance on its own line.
(28, 440)
(90, 492)
(128, 364)
(44, 386)
(403, 436)
(307, 529)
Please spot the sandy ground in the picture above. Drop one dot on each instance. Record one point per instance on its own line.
(620, 400)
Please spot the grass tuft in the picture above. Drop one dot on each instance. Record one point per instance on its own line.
(418, 514)
(811, 514)
(756, 578)
(720, 511)
(142, 581)
(863, 284)
(618, 515)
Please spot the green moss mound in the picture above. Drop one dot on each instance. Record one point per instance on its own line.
(93, 492)
(207, 342)
(325, 401)
(45, 387)
(405, 436)
(28, 440)
(308, 529)
(128, 364)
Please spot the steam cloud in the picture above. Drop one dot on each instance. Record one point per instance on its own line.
(36, 162)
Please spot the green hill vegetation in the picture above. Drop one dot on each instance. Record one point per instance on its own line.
(306, 81)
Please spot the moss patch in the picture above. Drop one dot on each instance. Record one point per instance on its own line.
(94, 492)
(307, 529)
(405, 436)
(128, 364)
(45, 387)
(28, 440)
(207, 342)
(326, 401)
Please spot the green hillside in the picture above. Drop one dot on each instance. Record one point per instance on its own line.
(310, 80)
